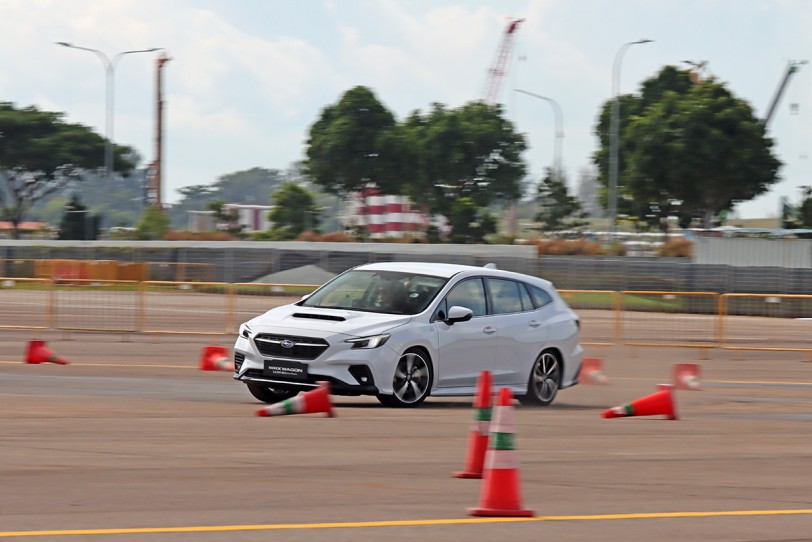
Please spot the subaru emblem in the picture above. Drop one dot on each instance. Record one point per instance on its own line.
(287, 343)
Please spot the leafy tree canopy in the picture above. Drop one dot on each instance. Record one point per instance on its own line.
(294, 211)
(354, 143)
(471, 152)
(436, 157)
(469, 222)
(40, 153)
(691, 148)
(154, 224)
(558, 210)
(78, 222)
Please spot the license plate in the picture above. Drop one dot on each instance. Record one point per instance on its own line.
(286, 370)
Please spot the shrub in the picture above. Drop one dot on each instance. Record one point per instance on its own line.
(175, 235)
(679, 247)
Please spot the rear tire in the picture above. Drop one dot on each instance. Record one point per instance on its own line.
(269, 395)
(544, 380)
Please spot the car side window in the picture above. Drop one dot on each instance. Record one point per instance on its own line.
(540, 297)
(505, 296)
(470, 294)
(527, 303)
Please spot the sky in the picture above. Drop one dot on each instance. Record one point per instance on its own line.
(248, 78)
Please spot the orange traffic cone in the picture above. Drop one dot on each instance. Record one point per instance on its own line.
(592, 373)
(686, 376)
(501, 495)
(37, 352)
(215, 358)
(310, 402)
(478, 441)
(660, 402)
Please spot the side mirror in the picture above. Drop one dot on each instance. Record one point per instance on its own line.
(458, 314)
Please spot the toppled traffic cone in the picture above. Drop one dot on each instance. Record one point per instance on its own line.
(660, 402)
(478, 441)
(215, 358)
(37, 352)
(592, 371)
(310, 402)
(686, 376)
(501, 494)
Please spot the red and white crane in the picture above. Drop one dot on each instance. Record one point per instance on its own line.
(498, 68)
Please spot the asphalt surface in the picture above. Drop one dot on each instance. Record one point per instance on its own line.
(132, 442)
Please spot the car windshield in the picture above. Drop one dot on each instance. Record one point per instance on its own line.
(391, 292)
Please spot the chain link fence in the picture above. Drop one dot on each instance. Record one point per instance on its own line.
(246, 262)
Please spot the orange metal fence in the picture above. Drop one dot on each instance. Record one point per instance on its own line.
(632, 318)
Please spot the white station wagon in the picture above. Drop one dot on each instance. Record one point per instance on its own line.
(403, 331)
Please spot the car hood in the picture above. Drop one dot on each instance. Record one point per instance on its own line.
(325, 322)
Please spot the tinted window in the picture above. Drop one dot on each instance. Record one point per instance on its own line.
(527, 303)
(540, 297)
(505, 296)
(469, 294)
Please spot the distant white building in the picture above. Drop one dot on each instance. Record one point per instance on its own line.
(253, 218)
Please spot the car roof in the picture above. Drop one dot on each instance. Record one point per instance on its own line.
(445, 270)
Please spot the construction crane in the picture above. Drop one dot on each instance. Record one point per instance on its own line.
(792, 67)
(498, 68)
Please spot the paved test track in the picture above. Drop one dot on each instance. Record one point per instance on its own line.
(130, 442)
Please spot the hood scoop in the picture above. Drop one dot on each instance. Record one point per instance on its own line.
(316, 316)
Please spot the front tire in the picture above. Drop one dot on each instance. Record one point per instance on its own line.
(412, 381)
(269, 395)
(544, 380)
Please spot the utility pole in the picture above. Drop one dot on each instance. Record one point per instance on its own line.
(155, 179)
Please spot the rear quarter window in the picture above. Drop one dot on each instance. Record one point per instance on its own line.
(539, 296)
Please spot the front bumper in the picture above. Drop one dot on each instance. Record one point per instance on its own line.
(348, 371)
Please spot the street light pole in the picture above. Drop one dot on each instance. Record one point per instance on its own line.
(559, 129)
(614, 136)
(109, 68)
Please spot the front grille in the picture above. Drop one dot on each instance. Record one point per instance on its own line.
(238, 359)
(303, 347)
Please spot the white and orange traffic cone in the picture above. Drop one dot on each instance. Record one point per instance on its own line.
(501, 492)
(478, 440)
(215, 358)
(310, 402)
(660, 402)
(686, 376)
(37, 353)
(592, 371)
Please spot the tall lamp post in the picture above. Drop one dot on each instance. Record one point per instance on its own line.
(614, 136)
(109, 68)
(559, 129)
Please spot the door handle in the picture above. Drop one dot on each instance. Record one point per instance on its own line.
(534, 323)
(489, 329)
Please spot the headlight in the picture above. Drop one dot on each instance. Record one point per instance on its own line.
(369, 342)
(245, 331)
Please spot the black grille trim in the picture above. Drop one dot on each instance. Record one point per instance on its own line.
(238, 361)
(307, 348)
(319, 316)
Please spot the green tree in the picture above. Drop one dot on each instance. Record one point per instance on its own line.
(693, 150)
(228, 219)
(40, 154)
(805, 208)
(558, 210)
(470, 152)
(78, 222)
(354, 143)
(469, 222)
(294, 212)
(154, 224)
